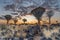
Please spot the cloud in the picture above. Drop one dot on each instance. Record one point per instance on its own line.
(27, 3)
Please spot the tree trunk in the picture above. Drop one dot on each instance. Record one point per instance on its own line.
(15, 24)
(49, 22)
(24, 23)
(38, 22)
(7, 22)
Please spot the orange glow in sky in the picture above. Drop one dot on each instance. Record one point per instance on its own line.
(30, 19)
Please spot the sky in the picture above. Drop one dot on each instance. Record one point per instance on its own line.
(27, 3)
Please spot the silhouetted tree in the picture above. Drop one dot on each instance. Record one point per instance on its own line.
(38, 12)
(50, 14)
(24, 20)
(15, 20)
(8, 17)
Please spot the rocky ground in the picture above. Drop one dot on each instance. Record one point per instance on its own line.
(27, 32)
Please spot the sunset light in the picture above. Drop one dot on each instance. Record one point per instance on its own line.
(29, 19)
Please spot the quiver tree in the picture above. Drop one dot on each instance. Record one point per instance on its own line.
(15, 20)
(50, 14)
(38, 12)
(24, 20)
(8, 17)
